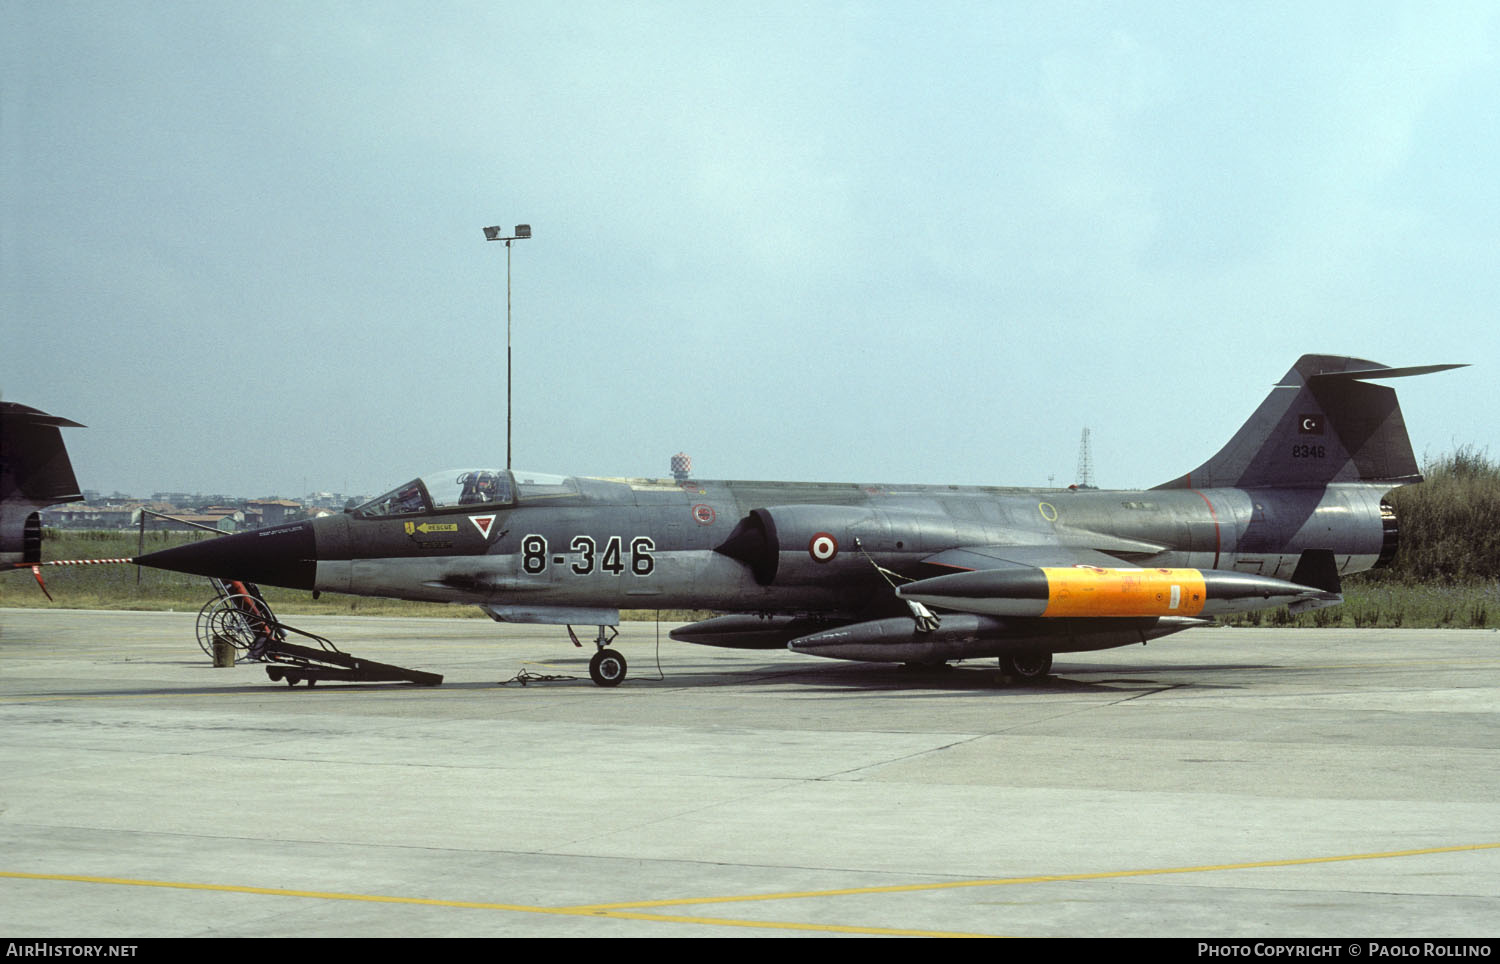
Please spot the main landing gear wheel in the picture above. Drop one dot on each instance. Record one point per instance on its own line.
(1026, 667)
(607, 668)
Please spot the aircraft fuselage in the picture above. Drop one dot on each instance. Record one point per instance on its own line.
(645, 544)
(909, 573)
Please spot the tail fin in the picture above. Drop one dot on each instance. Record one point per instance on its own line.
(1323, 422)
(34, 473)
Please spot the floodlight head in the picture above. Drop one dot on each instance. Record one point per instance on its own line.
(492, 234)
(523, 230)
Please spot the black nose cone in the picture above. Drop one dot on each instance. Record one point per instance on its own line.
(277, 556)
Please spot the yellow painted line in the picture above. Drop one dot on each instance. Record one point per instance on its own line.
(631, 911)
(482, 905)
(275, 892)
(1046, 878)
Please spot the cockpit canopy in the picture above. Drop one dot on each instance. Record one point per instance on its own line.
(466, 489)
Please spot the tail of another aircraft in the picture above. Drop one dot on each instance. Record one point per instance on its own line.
(1323, 422)
(34, 473)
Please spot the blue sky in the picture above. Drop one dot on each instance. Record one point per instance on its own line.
(855, 241)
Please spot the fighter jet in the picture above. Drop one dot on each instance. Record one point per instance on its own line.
(921, 574)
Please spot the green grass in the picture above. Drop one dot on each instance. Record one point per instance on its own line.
(1375, 603)
(1450, 524)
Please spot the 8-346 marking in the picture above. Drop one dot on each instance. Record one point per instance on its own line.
(588, 556)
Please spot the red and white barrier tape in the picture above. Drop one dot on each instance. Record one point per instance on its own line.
(36, 567)
(78, 562)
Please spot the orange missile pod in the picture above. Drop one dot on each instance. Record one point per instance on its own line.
(1091, 591)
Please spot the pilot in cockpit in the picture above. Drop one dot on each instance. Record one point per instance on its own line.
(479, 488)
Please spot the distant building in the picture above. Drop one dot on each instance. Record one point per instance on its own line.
(190, 522)
(81, 515)
(226, 515)
(271, 512)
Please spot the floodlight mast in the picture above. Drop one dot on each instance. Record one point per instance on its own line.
(522, 232)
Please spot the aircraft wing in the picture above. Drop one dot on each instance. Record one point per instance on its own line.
(1003, 579)
(972, 558)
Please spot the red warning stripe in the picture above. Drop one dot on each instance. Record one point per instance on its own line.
(1218, 539)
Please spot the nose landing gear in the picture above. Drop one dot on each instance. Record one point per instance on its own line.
(608, 667)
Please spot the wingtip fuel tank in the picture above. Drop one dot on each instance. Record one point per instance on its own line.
(1093, 592)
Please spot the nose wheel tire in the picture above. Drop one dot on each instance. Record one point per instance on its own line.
(607, 668)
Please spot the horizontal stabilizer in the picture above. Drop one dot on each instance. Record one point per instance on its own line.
(1360, 374)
